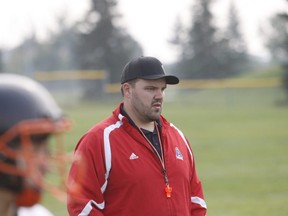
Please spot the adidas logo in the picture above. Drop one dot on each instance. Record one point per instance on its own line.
(133, 156)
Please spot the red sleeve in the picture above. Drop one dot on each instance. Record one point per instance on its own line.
(84, 196)
(198, 204)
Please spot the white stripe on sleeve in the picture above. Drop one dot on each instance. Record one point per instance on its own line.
(199, 201)
(88, 208)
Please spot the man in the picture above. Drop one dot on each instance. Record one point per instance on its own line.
(136, 162)
(28, 117)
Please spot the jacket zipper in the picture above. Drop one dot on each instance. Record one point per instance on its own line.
(168, 189)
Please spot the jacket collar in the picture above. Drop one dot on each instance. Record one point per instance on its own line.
(122, 112)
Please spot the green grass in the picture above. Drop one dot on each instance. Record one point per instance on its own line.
(239, 138)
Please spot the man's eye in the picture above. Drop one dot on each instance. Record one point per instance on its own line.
(150, 88)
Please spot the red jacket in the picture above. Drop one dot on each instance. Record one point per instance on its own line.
(119, 174)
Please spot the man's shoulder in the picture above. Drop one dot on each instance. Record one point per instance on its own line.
(102, 125)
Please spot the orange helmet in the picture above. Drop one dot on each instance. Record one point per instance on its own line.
(28, 116)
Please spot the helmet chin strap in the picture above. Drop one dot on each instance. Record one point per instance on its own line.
(28, 197)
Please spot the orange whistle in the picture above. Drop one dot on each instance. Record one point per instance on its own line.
(168, 191)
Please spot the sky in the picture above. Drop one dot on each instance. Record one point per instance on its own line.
(150, 22)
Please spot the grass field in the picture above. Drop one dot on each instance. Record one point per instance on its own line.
(240, 141)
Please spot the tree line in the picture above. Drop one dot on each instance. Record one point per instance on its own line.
(277, 42)
(98, 41)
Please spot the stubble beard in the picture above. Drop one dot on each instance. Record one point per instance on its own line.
(148, 113)
(154, 115)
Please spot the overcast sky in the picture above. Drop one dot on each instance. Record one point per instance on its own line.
(150, 22)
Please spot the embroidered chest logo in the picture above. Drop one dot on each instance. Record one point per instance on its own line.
(133, 156)
(178, 154)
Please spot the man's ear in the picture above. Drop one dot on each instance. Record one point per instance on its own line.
(126, 87)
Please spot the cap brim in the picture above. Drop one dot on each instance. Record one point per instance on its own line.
(170, 79)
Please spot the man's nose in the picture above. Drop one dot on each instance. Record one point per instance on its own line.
(159, 93)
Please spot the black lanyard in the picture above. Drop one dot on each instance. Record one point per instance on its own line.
(155, 142)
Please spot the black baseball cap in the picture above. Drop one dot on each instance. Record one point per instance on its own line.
(146, 67)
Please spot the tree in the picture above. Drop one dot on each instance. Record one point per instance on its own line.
(206, 51)
(21, 59)
(104, 45)
(178, 37)
(234, 50)
(200, 47)
(277, 43)
(55, 53)
(200, 52)
(58, 52)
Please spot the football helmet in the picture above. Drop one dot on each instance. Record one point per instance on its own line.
(29, 116)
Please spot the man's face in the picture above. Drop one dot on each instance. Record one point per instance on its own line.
(147, 99)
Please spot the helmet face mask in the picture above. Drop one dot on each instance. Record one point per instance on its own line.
(29, 117)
